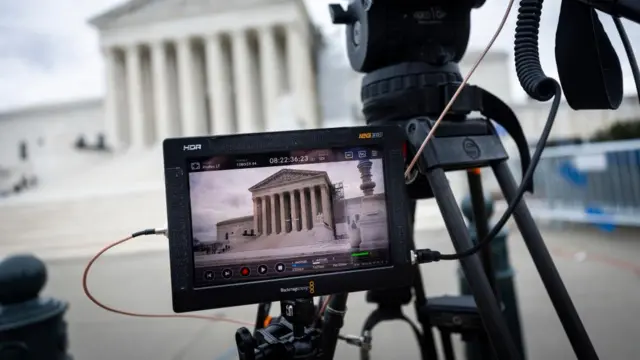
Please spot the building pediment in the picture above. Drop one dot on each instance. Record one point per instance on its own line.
(134, 12)
(286, 176)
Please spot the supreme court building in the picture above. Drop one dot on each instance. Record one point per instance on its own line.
(201, 67)
(289, 201)
(292, 201)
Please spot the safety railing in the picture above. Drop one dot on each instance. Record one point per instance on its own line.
(595, 183)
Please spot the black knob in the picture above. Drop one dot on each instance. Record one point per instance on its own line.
(246, 344)
(22, 277)
(340, 16)
(299, 311)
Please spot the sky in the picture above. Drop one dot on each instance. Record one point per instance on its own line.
(214, 200)
(49, 53)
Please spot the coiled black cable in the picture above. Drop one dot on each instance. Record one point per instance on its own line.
(532, 79)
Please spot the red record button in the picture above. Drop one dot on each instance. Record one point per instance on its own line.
(245, 271)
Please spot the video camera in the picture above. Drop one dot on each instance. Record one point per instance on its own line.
(289, 216)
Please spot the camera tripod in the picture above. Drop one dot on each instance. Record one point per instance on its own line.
(409, 80)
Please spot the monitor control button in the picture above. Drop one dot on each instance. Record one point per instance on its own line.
(262, 269)
(208, 275)
(227, 273)
(280, 267)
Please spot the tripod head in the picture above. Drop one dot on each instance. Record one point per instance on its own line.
(382, 33)
(405, 45)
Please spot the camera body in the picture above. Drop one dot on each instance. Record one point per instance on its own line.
(285, 215)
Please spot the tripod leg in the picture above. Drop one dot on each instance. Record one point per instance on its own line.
(560, 298)
(492, 319)
(428, 341)
(447, 346)
(476, 194)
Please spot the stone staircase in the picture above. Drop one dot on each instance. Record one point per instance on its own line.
(80, 214)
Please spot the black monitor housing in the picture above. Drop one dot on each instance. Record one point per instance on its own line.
(286, 215)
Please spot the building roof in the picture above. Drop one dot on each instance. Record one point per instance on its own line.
(235, 220)
(138, 11)
(286, 176)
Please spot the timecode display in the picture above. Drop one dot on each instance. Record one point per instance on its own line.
(283, 158)
(288, 160)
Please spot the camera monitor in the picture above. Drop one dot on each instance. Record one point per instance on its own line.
(272, 216)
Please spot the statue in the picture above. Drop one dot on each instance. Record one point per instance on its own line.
(355, 238)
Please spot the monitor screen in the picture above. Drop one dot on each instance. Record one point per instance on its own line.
(261, 216)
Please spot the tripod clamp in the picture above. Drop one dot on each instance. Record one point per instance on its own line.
(290, 336)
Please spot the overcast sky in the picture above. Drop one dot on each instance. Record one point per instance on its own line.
(48, 52)
(220, 195)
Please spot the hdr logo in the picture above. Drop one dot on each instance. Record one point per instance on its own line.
(192, 147)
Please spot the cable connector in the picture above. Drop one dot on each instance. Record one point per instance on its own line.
(156, 231)
(425, 256)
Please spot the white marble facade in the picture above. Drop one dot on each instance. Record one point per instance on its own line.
(292, 201)
(198, 67)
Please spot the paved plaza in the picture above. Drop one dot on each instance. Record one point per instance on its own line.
(600, 270)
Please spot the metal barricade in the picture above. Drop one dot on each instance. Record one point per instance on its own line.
(595, 183)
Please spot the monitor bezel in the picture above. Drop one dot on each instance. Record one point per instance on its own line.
(177, 152)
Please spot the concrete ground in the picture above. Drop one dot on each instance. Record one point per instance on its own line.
(601, 271)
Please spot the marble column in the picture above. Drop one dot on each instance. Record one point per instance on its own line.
(273, 219)
(246, 109)
(220, 88)
(148, 91)
(287, 212)
(136, 99)
(283, 215)
(301, 75)
(314, 205)
(294, 211)
(192, 123)
(115, 101)
(304, 210)
(255, 215)
(270, 69)
(161, 98)
(326, 205)
(264, 200)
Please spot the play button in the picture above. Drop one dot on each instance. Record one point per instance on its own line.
(262, 269)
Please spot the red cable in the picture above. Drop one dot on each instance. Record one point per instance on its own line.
(121, 312)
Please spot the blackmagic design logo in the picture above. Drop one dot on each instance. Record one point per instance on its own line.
(298, 289)
(311, 288)
(471, 148)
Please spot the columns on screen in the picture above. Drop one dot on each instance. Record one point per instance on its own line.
(203, 84)
(291, 211)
